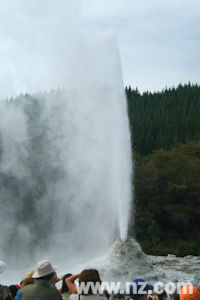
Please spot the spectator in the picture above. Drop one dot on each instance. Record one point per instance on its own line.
(29, 274)
(175, 296)
(106, 294)
(5, 293)
(84, 277)
(162, 296)
(189, 292)
(136, 287)
(41, 289)
(64, 289)
(26, 282)
(13, 290)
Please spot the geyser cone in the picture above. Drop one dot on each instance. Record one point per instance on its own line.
(128, 261)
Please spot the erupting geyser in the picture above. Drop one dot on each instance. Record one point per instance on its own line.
(65, 159)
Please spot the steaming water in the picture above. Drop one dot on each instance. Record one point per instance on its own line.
(65, 159)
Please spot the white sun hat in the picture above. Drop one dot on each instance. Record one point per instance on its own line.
(43, 268)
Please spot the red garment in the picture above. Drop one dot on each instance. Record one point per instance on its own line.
(189, 293)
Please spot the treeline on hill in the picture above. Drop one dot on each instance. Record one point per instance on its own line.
(165, 129)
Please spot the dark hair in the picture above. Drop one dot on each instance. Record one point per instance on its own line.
(176, 296)
(105, 293)
(21, 282)
(64, 288)
(163, 294)
(89, 275)
(47, 277)
(13, 289)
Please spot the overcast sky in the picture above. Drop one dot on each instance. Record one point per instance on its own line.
(159, 40)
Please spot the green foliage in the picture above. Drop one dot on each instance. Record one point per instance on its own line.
(167, 190)
(163, 119)
(167, 168)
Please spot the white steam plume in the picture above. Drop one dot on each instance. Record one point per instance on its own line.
(66, 157)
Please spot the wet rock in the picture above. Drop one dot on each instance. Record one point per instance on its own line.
(178, 268)
(127, 261)
(130, 258)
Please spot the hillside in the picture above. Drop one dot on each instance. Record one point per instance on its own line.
(165, 129)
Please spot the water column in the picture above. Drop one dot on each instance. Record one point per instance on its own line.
(66, 175)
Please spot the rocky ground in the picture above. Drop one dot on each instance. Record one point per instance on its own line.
(177, 268)
(128, 261)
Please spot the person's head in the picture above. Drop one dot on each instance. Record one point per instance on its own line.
(175, 296)
(13, 290)
(48, 277)
(106, 294)
(89, 275)
(139, 289)
(64, 288)
(189, 292)
(162, 296)
(26, 282)
(44, 271)
(29, 274)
